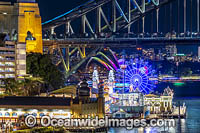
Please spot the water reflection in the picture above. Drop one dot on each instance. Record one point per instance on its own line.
(188, 125)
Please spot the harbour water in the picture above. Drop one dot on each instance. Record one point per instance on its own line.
(189, 125)
(184, 93)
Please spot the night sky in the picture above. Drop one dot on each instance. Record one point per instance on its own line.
(53, 8)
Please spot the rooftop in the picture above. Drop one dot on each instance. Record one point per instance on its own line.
(5, 3)
(35, 101)
(151, 95)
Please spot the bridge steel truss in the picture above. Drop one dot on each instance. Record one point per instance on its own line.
(65, 52)
(121, 18)
(94, 19)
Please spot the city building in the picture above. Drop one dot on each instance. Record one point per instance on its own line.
(158, 104)
(82, 106)
(13, 60)
(129, 106)
(22, 19)
(150, 53)
(171, 50)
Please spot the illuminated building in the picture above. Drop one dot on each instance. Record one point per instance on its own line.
(14, 107)
(171, 50)
(111, 81)
(11, 108)
(86, 106)
(13, 60)
(159, 104)
(95, 78)
(23, 17)
(150, 53)
(129, 105)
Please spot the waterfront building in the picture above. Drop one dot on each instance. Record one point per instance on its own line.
(160, 103)
(82, 106)
(14, 107)
(129, 105)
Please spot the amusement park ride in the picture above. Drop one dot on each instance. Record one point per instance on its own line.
(126, 86)
(128, 92)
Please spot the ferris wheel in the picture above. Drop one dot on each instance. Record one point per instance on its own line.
(137, 75)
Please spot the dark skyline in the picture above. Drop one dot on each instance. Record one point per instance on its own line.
(51, 8)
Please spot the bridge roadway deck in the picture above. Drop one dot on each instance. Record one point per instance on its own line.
(122, 42)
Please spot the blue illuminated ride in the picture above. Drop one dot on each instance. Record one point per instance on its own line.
(135, 76)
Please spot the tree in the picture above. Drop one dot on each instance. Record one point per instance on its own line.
(39, 65)
(31, 86)
(11, 86)
(27, 87)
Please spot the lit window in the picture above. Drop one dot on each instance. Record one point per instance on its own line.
(1, 76)
(21, 51)
(22, 62)
(1, 64)
(9, 75)
(34, 114)
(41, 114)
(14, 114)
(10, 64)
(7, 114)
(9, 69)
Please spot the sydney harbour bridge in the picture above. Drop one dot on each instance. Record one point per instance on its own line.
(100, 24)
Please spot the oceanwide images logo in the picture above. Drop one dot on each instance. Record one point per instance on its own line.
(30, 121)
(47, 121)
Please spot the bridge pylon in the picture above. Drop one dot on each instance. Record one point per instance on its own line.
(29, 26)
